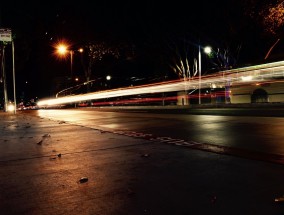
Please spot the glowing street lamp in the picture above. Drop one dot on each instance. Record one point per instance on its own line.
(207, 50)
(62, 49)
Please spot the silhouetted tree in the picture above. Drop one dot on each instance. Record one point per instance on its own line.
(270, 16)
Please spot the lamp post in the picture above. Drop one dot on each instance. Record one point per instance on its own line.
(71, 63)
(199, 75)
(63, 49)
(207, 50)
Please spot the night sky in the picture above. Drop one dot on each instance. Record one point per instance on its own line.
(149, 33)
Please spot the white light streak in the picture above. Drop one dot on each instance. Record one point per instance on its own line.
(261, 73)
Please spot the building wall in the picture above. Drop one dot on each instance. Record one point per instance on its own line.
(182, 98)
(243, 94)
(275, 92)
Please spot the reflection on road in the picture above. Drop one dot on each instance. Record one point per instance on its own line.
(252, 137)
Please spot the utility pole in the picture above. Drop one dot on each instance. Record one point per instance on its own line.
(6, 37)
(71, 64)
(14, 79)
(4, 79)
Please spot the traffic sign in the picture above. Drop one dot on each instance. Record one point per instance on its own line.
(5, 35)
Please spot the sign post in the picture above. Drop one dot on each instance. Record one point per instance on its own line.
(6, 36)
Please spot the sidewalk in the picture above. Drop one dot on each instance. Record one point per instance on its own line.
(51, 167)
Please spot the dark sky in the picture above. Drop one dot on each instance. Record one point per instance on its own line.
(148, 28)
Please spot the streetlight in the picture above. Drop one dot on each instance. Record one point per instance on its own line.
(207, 50)
(62, 49)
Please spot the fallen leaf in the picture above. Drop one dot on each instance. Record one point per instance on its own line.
(83, 180)
(46, 135)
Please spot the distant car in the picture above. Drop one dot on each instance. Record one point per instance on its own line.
(27, 106)
(83, 104)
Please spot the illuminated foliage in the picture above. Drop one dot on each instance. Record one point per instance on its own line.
(268, 14)
(98, 51)
(95, 52)
(269, 17)
(273, 17)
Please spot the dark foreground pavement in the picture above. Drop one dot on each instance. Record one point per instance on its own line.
(42, 162)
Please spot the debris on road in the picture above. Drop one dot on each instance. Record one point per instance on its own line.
(40, 142)
(46, 135)
(83, 180)
(43, 138)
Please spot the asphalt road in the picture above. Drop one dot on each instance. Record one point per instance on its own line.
(254, 137)
(43, 158)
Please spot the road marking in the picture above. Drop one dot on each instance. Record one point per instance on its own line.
(252, 155)
(151, 137)
(244, 153)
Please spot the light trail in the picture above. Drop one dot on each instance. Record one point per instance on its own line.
(273, 72)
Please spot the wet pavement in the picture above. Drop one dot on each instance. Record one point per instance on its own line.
(52, 167)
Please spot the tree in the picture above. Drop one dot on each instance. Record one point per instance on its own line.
(184, 62)
(270, 16)
(95, 52)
